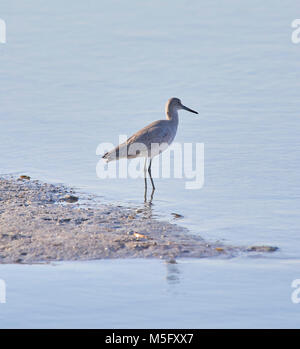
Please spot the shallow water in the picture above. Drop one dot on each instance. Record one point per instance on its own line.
(74, 75)
(241, 293)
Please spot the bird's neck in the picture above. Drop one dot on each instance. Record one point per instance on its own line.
(172, 115)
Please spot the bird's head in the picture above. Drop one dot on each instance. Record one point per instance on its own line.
(175, 104)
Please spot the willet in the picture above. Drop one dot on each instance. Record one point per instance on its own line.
(151, 140)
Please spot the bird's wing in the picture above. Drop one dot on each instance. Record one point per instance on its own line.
(157, 132)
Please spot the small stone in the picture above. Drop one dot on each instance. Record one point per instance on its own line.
(262, 248)
(24, 177)
(171, 261)
(140, 236)
(70, 198)
(177, 215)
(64, 220)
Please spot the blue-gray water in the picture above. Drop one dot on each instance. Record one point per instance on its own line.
(75, 74)
(150, 294)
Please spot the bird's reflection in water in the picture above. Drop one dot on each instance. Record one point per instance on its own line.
(148, 202)
(173, 274)
(147, 209)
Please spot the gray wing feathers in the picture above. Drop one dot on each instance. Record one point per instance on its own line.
(157, 132)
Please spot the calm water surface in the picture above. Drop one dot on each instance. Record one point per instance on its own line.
(150, 294)
(75, 74)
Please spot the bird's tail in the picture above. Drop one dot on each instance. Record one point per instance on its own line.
(110, 156)
(119, 152)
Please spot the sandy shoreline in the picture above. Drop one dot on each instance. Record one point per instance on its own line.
(42, 222)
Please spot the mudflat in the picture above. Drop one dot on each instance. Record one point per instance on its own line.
(41, 222)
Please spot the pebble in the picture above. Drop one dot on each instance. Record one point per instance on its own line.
(262, 249)
(140, 236)
(171, 261)
(70, 198)
(177, 215)
(24, 177)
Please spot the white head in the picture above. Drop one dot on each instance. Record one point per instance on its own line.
(175, 104)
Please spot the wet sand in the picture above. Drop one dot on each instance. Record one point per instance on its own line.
(42, 222)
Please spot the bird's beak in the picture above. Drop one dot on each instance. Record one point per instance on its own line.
(188, 109)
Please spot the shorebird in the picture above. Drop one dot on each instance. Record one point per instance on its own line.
(151, 140)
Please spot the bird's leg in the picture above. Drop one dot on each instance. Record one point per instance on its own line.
(149, 170)
(145, 178)
(151, 197)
